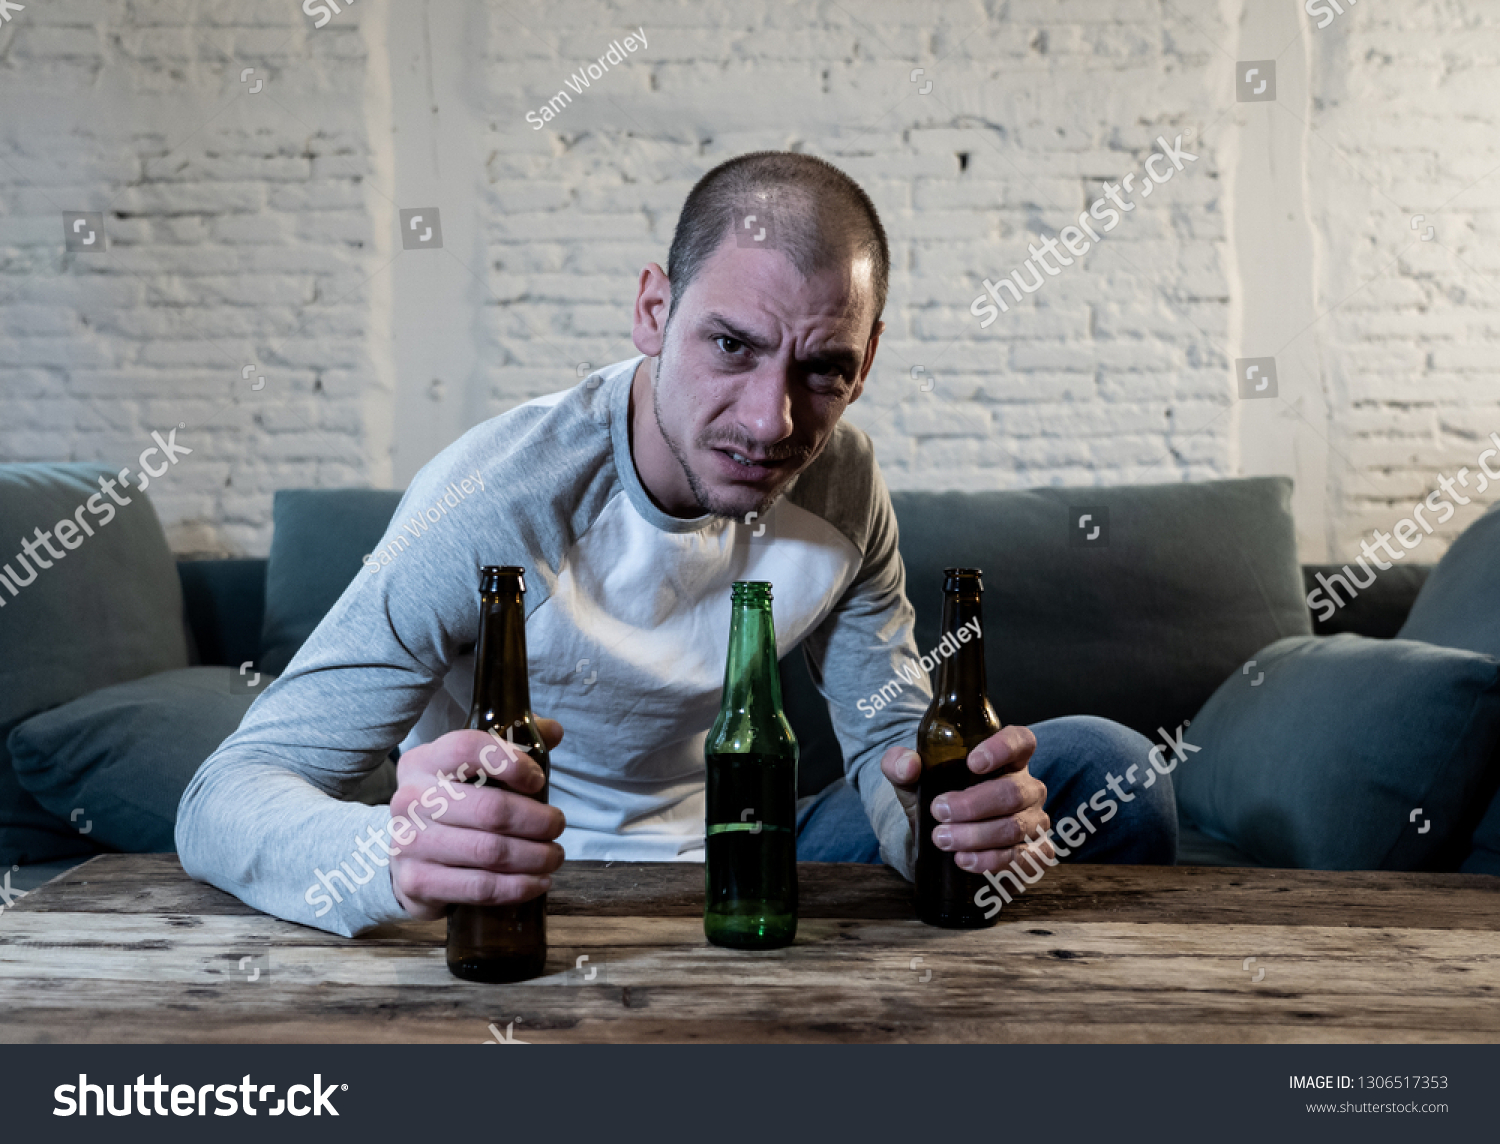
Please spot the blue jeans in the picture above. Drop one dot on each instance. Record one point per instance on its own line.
(1074, 758)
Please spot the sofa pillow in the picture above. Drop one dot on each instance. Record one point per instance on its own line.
(122, 756)
(1347, 753)
(1459, 604)
(1138, 624)
(319, 540)
(1484, 858)
(103, 605)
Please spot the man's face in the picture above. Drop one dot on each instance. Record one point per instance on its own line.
(751, 377)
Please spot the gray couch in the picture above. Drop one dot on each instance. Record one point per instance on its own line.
(225, 601)
(1140, 621)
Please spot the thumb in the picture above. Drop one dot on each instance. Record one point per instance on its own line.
(903, 767)
(552, 731)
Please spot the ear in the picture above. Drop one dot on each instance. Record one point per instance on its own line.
(864, 370)
(653, 301)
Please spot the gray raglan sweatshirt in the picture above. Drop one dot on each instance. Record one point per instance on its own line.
(627, 628)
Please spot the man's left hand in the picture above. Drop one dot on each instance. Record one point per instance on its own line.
(986, 826)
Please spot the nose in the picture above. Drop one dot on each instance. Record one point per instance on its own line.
(764, 406)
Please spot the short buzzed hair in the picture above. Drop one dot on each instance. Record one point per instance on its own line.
(816, 213)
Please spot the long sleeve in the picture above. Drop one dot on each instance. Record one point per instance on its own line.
(263, 817)
(863, 658)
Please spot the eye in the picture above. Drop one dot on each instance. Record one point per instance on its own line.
(734, 343)
(825, 377)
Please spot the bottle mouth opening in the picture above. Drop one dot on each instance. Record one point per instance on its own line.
(499, 577)
(964, 580)
(750, 591)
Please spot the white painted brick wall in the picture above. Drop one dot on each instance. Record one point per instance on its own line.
(1406, 125)
(233, 219)
(261, 228)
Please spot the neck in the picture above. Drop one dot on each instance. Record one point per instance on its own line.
(752, 683)
(960, 676)
(502, 688)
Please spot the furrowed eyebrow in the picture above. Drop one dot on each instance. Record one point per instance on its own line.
(849, 359)
(726, 326)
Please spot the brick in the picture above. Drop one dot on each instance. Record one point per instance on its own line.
(251, 237)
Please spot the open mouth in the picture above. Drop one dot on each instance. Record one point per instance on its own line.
(745, 467)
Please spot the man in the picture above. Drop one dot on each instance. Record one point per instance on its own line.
(625, 499)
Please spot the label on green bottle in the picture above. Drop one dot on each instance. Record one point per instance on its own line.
(747, 828)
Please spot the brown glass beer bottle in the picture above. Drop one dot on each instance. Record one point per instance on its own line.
(501, 943)
(959, 719)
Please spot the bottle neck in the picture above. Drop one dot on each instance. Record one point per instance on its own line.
(752, 683)
(960, 674)
(502, 690)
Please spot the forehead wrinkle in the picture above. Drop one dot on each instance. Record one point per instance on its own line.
(843, 296)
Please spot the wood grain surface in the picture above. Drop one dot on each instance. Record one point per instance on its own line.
(128, 948)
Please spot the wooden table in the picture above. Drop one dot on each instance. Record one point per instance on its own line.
(128, 948)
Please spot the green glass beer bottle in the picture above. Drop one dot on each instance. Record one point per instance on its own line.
(959, 719)
(750, 867)
(501, 943)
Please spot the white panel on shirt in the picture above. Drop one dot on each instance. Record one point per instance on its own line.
(644, 614)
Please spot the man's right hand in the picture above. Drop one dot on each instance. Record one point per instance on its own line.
(486, 845)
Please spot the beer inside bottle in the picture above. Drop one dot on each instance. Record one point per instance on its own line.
(750, 867)
(501, 943)
(959, 719)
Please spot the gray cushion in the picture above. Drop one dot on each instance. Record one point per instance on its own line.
(1484, 858)
(319, 541)
(109, 611)
(1193, 579)
(124, 755)
(1459, 604)
(1318, 756)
